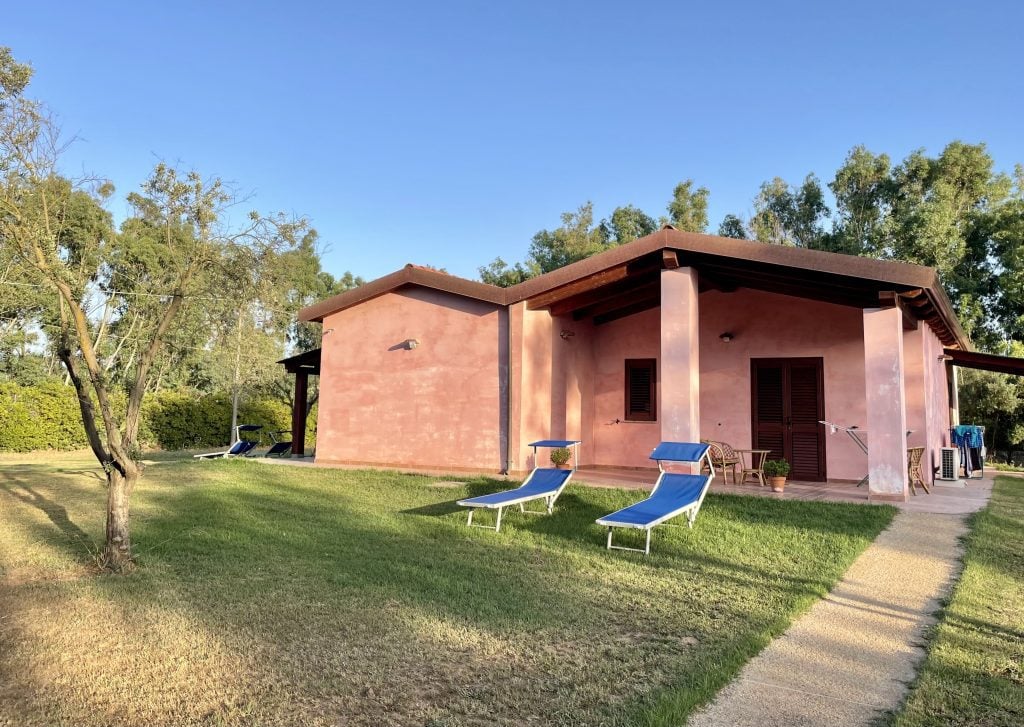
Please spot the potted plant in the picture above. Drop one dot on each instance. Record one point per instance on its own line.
(776, 470)
(560, 456)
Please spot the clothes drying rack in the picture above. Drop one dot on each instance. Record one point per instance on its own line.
(965, 452)
(854, 433)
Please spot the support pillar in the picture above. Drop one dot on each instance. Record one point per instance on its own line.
(886, 404)
(299, 408)
(679, 365)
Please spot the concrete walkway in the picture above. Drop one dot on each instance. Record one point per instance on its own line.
(852, 655)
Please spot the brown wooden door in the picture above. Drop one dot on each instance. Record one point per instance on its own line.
(787, 402)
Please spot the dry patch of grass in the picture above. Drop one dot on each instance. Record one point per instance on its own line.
(300, 596)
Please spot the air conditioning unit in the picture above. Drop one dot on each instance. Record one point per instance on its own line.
(949, 464)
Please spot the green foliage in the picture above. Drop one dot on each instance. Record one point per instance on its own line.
(787, 215)
(500, 273)
(14, 76)
(995, 401)
(46, 416)
(40, 417)
(560, 456)
(688, 210)
(627, 224)
(732, 226)
(776, 468)
(577, 238)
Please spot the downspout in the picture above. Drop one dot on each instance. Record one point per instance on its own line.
(952, 380)
(507, 454)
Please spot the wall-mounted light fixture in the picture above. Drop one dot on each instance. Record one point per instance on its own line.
(726, 337)
(567, 334)
(411, 343)
(329, 330)
(945, 357)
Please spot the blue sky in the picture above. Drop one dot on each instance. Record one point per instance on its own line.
(448, 133)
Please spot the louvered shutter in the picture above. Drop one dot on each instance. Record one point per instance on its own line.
(640, 390)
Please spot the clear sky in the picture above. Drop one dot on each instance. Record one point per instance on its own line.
(447, 133)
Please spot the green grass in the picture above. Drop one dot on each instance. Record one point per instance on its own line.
(295, 596)
(974, 672)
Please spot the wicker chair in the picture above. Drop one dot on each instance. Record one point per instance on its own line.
(915, 474)
(724, 458)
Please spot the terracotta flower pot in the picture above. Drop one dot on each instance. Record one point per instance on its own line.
(778, 483)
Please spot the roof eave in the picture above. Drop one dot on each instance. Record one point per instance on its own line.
(409, 275)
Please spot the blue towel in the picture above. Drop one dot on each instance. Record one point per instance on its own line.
(967, 435)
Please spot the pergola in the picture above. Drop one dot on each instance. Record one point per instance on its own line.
(302, 365)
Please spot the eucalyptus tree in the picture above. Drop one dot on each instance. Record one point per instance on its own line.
(688, 208)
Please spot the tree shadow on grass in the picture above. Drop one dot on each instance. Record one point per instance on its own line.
(58, 514)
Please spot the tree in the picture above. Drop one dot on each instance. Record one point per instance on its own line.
(997, 402)
(576, 239)
(688, 209)
(500, 273)
(862, 187)
(181, 262)
(785, 215)
(732, 226)
(627, 224)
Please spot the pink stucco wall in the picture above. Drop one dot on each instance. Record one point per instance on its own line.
(443, 404)
(679, 393)
(769, 325)
(618, 442)
(927, 395)
(590, 367)
(440, 404)
(885, 386)
(538, 405)
(935, 400)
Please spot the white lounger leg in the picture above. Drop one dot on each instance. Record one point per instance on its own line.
(470, 521)
(497, 525)
(646, 550)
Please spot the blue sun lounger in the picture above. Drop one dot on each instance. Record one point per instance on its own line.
(673, 494)
(543, 483)
(240, 448)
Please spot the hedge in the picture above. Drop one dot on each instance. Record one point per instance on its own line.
(46, 416)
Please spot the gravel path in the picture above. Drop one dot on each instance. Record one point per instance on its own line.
(852, 655)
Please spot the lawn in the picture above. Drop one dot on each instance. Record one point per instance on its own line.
(298, 596)
(974, 672)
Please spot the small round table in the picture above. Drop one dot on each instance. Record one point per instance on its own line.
(756, 468)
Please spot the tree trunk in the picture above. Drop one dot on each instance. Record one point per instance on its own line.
(117, 554)
(236, 374)
(235, 393)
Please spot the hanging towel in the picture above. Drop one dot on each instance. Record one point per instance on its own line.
(967, 435)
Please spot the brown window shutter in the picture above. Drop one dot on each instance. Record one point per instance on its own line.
(641, 396)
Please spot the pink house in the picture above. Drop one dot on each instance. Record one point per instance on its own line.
(676, 336)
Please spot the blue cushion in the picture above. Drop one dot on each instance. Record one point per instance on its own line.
(679, 451)
(543, 482)
(673, 494)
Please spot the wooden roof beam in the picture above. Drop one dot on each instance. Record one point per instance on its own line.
(892, 299)
(613, 303)
(612, 275)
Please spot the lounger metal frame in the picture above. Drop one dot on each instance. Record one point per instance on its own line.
(549, 500)
(690, 510)
(238, 438)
